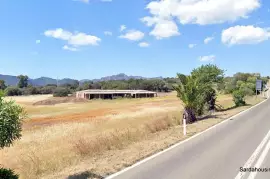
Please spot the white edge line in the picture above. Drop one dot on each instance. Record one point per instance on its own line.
(178, 144)
(254, 156)
(260, 160)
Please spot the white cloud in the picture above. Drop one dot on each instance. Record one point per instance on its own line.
(208, 39)
(108, 33)
(70, 48)
(144, 44)
(38, 41)
(192, 45)
(244, 35)
(122, 28)
(209, 58)
(75, 39)
(164, 29)
(133, 35)
(58, 34)
(84, 1)
(203, 11)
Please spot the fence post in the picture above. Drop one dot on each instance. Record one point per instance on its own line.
(184, 125)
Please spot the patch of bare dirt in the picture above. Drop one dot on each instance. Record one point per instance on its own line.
(59, 100)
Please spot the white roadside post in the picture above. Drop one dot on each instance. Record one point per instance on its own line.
(184, 125)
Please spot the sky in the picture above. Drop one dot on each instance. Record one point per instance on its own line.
(88, 39)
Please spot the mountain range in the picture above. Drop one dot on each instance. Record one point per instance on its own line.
(42, 81)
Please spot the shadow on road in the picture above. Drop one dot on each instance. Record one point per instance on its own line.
(85, 175)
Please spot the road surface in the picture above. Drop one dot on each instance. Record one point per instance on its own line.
(218, 153)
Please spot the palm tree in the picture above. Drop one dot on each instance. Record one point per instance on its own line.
(191, 92)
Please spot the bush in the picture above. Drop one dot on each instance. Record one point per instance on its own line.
(238, 98)
(61, 92)
(47, 89)
(8, 174)
(247, 91)
(11, 116)
(30, 90)
(13, 91)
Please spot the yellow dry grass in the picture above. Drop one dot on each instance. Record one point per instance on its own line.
(104, 144)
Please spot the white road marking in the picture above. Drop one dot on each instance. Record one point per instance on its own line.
(253, 156)
(178, 144)
(260, 160)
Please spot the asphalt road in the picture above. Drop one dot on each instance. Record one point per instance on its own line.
(216, 154)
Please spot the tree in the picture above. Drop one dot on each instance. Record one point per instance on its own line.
(61, 92)
(13, 91)
(209, 76)
(8, 174)
(191, 94)
(11, 116)
(87, 85)
(238, 98)
(2, 85)
(199, 90)
(30, 90)
(23, 81)
(47, 89)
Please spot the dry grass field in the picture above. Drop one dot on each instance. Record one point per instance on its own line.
(99, 137)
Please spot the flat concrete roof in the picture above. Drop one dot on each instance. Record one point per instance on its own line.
(116, 92)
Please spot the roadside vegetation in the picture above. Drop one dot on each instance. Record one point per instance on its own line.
(198, 92)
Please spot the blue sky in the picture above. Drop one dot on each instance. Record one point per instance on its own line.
(83, 39)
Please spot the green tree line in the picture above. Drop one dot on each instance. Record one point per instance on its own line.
(23, 87)
(241, 82)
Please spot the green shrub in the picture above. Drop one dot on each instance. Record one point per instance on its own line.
(11, 116)
(239, 98)
(30, 90)
(61, 92)
(247, 91)
(47, 89)
(13, 91)
(8, 174)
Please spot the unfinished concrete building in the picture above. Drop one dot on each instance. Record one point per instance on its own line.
(112, 94)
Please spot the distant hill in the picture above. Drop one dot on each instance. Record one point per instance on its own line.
(120, 76)
(42, 81)
(10, 80)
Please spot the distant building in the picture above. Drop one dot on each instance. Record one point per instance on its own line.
(112, 94)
